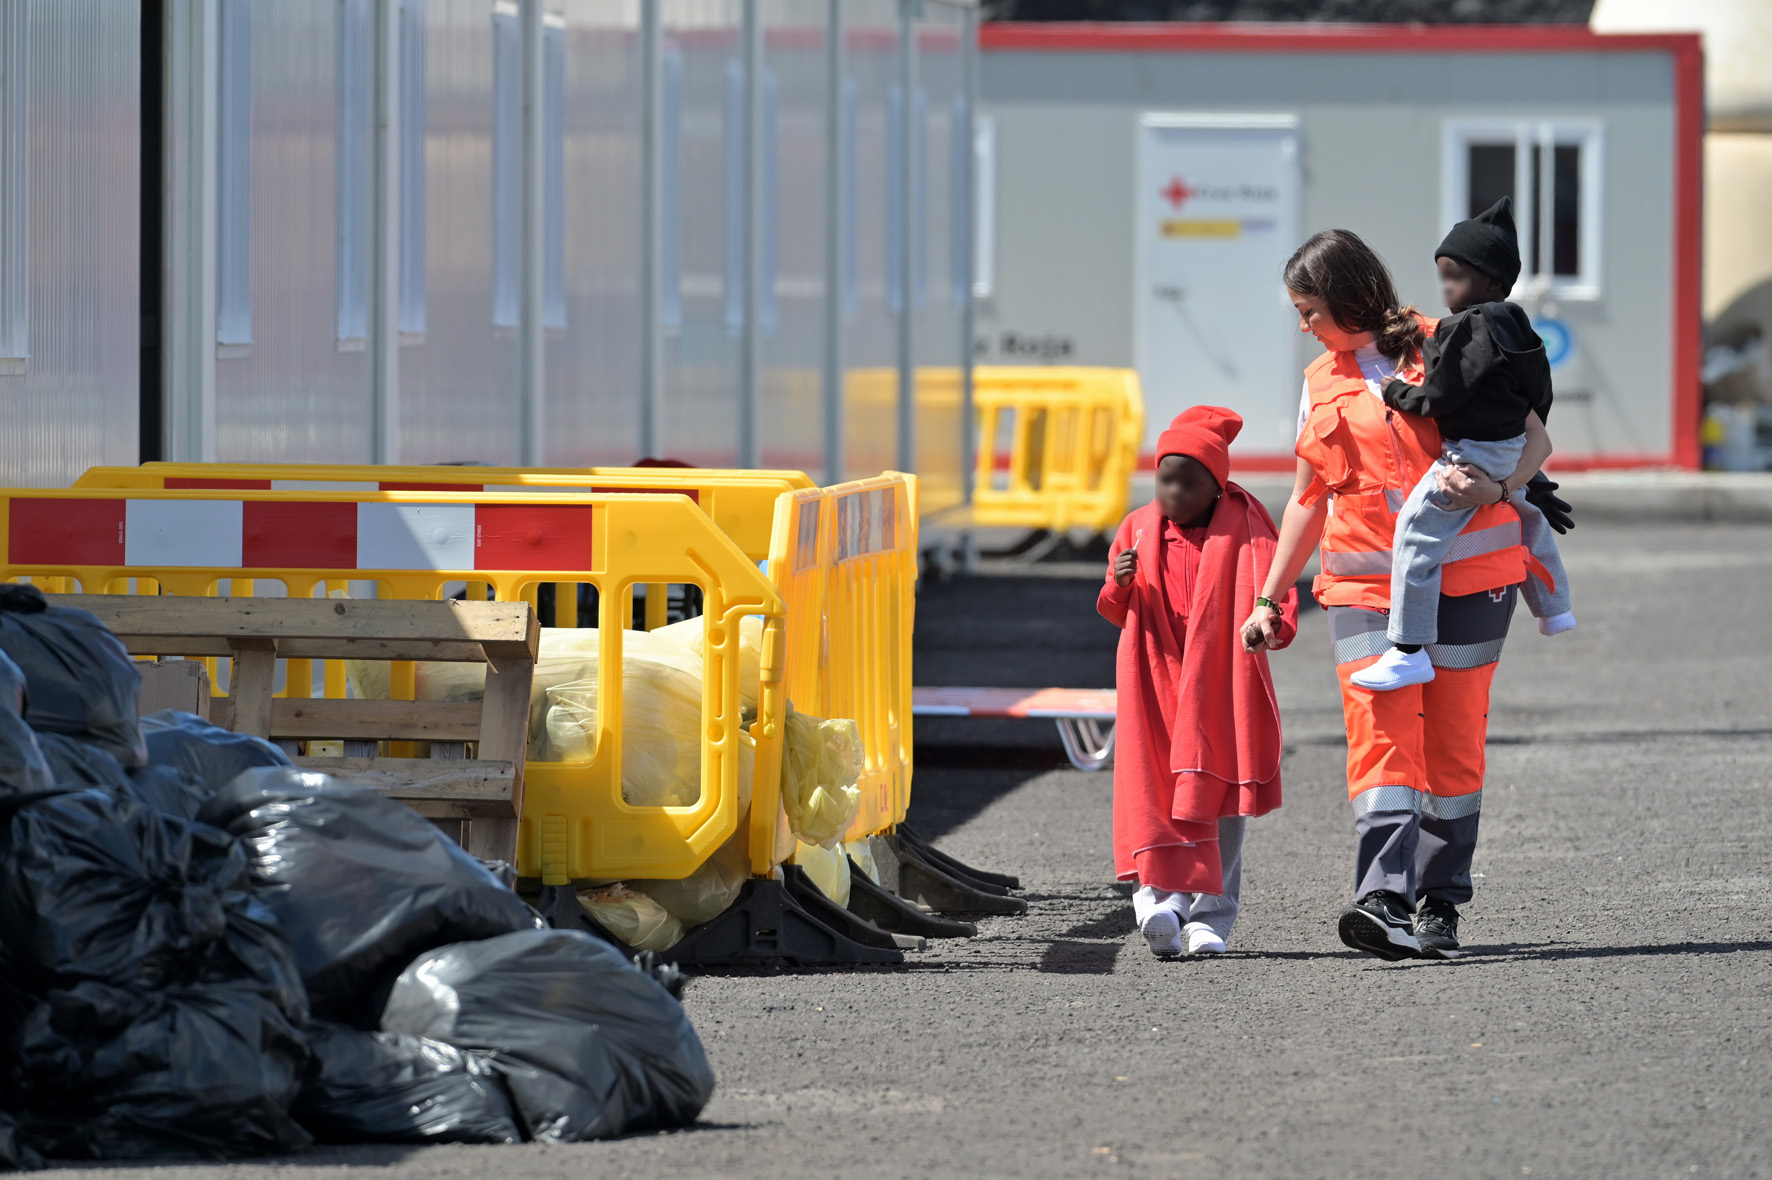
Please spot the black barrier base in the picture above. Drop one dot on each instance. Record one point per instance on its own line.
(849, 924)
(895, 915)
(769, 926)
(925, 884)
(954, 867)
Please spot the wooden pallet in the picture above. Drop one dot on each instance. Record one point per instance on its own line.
(480, 796)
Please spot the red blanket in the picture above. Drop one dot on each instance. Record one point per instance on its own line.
(1197, 735)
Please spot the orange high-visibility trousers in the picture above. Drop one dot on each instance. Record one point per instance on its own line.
(1427, 737)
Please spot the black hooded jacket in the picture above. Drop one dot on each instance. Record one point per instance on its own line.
(1486, 370)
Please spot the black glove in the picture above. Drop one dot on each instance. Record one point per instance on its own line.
(1541, 493)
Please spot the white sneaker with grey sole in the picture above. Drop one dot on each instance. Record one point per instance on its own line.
(1395, 669)
(1162, 930)
(1203, 940)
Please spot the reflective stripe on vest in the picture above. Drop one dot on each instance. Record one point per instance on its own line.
(1367, 563)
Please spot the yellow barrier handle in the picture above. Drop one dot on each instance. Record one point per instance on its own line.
(768, 731)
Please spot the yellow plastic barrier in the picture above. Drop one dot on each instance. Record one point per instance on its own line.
(575, 824)
(845, 560)
(1073, 445)
(741, 502)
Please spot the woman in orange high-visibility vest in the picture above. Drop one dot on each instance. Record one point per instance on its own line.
(1415, 755)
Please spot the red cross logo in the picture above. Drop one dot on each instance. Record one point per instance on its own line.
(1177, 192)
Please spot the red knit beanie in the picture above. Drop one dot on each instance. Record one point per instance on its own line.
(1203, 433)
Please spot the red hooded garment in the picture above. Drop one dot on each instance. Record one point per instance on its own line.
(1197, 734)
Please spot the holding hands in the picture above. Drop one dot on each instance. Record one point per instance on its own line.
(1262, 627)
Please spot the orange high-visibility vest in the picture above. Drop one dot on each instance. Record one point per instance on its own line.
(1370, 457)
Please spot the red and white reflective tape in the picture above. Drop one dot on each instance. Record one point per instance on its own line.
(259, 534)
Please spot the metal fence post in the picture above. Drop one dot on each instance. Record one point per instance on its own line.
(837, 149)
(531, 381)
(651, 222)
(911, 176)
(384, 330)
(750, 341)
(192, 48)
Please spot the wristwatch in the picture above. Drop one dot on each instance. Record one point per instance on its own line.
(1270, 604)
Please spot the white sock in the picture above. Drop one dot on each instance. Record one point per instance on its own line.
(1557, 624)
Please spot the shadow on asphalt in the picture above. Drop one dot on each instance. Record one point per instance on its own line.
(1541, 951)
(1079, 958)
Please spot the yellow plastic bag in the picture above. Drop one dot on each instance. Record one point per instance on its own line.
(821, 764)
(862, 853)
(828, 868)
(632, 917)
(710, 890)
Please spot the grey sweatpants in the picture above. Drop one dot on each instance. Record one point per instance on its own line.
(1428, 534)
(1215, 910)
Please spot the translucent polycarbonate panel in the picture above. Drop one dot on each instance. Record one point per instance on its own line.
(699, 386)
(593, 365)
(938, 227)
(77, 160)
(796, 217)
(458, 381)
(289, 389)
(872, 94)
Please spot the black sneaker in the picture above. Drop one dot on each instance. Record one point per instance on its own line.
(1379, 925)
(1436, 928)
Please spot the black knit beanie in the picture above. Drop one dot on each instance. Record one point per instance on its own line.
(1487, 242)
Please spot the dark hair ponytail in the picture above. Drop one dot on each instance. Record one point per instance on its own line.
(1344, 272)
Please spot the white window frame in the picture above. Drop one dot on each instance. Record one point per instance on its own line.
(1533, 210)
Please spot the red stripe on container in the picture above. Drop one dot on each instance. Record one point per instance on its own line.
(388, 486)
(65, 532)
(694, 494)
(530, 538)
(303, 536)
(175, 483)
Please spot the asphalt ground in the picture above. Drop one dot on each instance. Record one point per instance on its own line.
(1612, 1019)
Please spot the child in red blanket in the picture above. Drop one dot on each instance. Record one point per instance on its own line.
(1197, 737)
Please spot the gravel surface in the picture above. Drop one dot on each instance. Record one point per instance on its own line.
(1613, 1019)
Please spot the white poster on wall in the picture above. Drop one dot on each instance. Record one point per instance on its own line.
(1217, 217)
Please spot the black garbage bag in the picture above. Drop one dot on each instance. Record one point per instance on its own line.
(14, 1153)
(168, 790)
(374, 1087)
(24, 772)
(209, 754)
(589, 1045)
(77, 765)
(359, 883)
(206, 1069)
(79, 678)
(95, 886)
(161, 1007)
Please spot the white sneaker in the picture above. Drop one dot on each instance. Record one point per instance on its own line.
(1162, 930)
(1557, 624)
(1395, 669)
(1203, 940)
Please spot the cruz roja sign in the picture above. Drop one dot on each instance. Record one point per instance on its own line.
(1216, 218)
